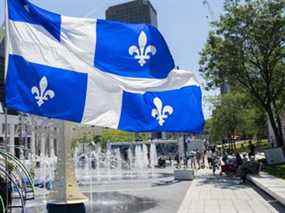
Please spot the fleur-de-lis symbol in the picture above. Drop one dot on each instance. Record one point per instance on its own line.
(142, 52)
(161, 112)
(41, 93)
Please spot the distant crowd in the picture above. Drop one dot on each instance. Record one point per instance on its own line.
(225, 162)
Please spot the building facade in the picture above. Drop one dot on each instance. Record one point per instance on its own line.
(138, 11)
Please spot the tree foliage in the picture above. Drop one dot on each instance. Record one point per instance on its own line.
(246, 50)
(110, 135)
(234, 116)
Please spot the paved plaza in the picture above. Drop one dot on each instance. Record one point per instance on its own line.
(215, 194)
(206, 193)
(157, 195)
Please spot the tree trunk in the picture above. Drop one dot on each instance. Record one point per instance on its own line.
(235, 145)
(275, 127)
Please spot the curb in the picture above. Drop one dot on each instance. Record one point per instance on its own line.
(276, 191)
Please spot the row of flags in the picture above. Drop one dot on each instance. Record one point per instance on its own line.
(96, 72)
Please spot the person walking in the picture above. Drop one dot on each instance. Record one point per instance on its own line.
(192, 156)
(215, 161)
(198, 158)
(210, 158)
(251, 153)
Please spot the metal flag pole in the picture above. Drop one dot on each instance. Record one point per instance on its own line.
(6, 159)
(66, 195)
(5, 109)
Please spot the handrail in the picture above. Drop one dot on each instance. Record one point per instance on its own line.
(16, 174)
(21, 165)
(15, 180)
(2, 204)
(17, 188)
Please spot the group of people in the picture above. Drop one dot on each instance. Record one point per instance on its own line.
(199, 159)
(228, 163)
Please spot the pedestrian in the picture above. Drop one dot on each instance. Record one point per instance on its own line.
(177, 159)
(251, 150)
(215, 162)
(198, 158)
(239, 160)
(210, 158)
(192, 159)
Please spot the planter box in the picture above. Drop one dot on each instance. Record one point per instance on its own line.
(274, 156)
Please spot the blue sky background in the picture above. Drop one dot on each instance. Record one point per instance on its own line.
(184, 24)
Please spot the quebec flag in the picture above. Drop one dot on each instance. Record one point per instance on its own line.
(96, 72)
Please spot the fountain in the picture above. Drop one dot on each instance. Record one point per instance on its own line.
(110, 166)
(101, 174)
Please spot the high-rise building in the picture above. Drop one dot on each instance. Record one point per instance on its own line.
(138, 11)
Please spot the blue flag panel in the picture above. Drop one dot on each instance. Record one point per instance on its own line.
(132, 50)
(24, 11)
(175, 110)
(44, 90)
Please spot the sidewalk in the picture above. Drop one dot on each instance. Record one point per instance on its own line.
(215, 194)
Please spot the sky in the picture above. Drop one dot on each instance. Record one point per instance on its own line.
(183, 23)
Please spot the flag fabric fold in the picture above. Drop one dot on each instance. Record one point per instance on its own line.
(96, 72)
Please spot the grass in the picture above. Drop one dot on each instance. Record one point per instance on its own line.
(260, 145)
(243, 146)
(275, 170)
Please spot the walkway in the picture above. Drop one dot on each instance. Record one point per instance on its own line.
(215, 194)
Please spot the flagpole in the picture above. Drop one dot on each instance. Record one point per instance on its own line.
(66, 195)
(6, 60)
(6, 159)
(7, 39)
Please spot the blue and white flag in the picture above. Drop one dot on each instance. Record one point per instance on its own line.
(96, 72)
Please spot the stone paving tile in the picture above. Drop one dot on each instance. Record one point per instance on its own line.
(222, 195)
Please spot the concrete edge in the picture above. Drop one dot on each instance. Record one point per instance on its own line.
(267, 189)
(183, 205)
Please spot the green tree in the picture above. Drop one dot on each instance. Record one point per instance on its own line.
(246, 50)
(109, 135)
(234, 115)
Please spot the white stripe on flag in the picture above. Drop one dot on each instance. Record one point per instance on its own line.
(103, 101)
(36, 45)
(79, 36)
(175, 80)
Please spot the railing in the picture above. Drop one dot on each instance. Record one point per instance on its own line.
(19, 176)
(21, 169)
(10, 177)
(2, 205)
